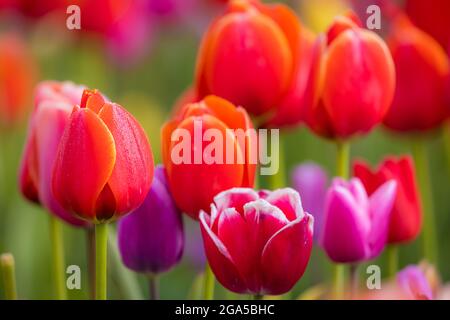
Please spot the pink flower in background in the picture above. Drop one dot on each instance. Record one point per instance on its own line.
(311, 181)
(413, 282)
(53, 105)
(355, 226)
(258, 243)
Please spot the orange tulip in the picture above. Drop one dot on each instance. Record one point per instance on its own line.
(249, 55)
(357, 82)
(195, 183)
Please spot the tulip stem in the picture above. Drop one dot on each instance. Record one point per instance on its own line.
(58, 258)
(338, 281)
(342, 168)
(153, 287)
(392, 256)
(423, 175)
(101, 249)
(277, 180)
(90, 248)
(343, 159)
(354, 276)
(208, 293)
(7, 267)
(258, 297)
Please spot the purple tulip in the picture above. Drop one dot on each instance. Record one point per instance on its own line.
(151, 237)
(311, 182)
(414, 282)
(355, 226)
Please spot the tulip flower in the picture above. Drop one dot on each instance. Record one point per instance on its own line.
(151, 237)
(104, 166)
(355, 226)
(194, 183)
(358, 81)
(434, 20)
(406, 217)
(422, 70)
(257, 243)
(17, 76)
(311, 181)
(414, 282)
(54, 102)
(253, 55)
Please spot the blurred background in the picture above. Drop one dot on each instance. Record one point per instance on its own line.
(142, 55)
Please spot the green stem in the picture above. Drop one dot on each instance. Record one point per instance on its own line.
(354, 276)
(342, 170)
(429, 236)
(343, 159)
(90, 255)
(58, 258)
(277, 180)
(338, 281)
(7, 267)
(208, 289)
(153, 287)
(392, 256)
(101, 248)
(258, 297)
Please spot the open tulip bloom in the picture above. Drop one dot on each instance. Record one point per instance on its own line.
(355, 226)
(257, 242)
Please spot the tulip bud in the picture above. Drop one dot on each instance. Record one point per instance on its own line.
(355, 227)
(311, 181)
(151, 237)
(249, 55)
(406, 218)
(17, 76)
(422, 70)
(358, 81)
(104, 166)
(194, 182)
(53, 104)
(257, 243)
(413, 282)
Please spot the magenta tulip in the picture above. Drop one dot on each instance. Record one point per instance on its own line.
(355, 226)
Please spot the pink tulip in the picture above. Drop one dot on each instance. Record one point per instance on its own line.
(355, 226)
(52, 108)
(257, 243)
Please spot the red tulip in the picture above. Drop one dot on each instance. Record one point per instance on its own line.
(250, 55)
(432, 18)
(406, 217)
(104, 166)
(53, 104)
(257, 243)
(422, 69)
(358, 81)
(17, 76)
(194, 185)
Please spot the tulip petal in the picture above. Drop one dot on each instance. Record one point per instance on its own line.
(288, 201)
(85, 161)
(235, 198)
(381, 203)
(133, 170)
(286, 255)
(219, 258)
(346, 227)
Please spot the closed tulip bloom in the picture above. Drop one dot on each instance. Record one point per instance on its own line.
(249, 55)
(257, 243)
(355, 226)
(412, 280)
(311, 181)
(357, 81)
(54, 102)
(194, 182)
(104, 165)
(17, 76)
(151, 237)
(406, 218)
(422, 69)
